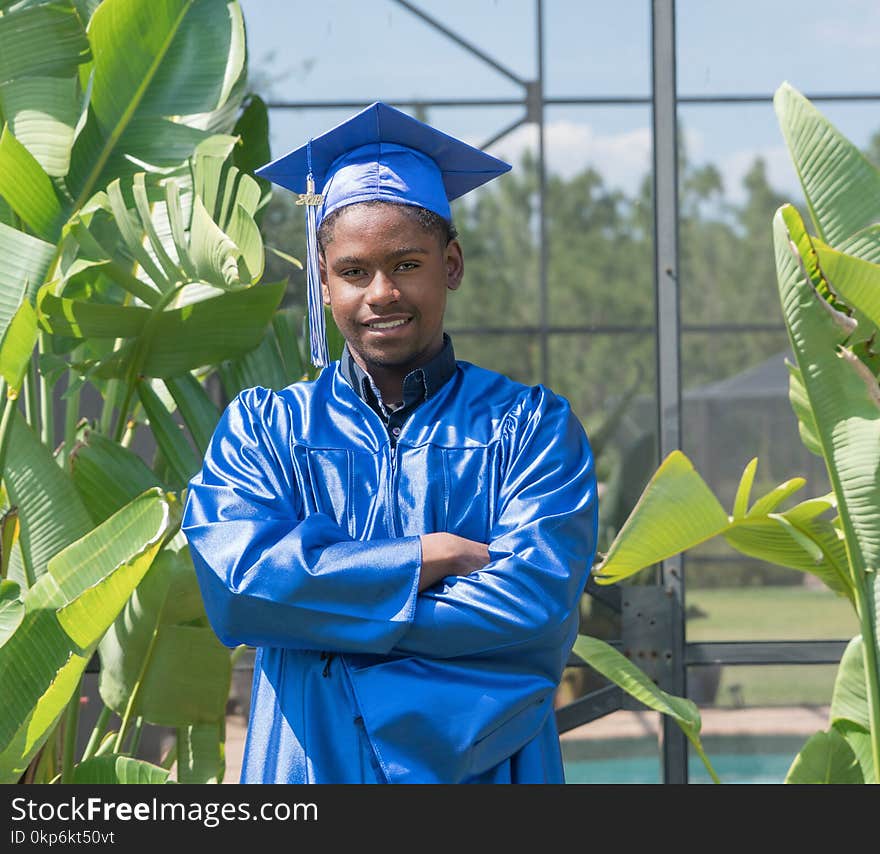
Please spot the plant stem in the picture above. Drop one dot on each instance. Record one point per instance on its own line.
(71, 730)
(136, 736)
(71, 419)
(98, 732)
(8, 405)
(698, 746)
(31, 402)
(109, 406)
(122, 421)
(47, 763)
(135, 691)
(47, 403)
(867, 609)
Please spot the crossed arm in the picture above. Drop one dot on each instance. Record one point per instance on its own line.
(269, 580)
(445, 554)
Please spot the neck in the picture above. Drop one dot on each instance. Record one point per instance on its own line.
(388, 379)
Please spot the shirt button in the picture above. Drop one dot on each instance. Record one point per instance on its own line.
(396, 431)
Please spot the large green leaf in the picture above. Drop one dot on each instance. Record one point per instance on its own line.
(849, 700)
(107, 475)
(174, 60)
(182, 461)
(678, 511)
(619, 669)
(201, 755)
(159, 60)
(42, 113)
(26, 261)
(68, 610)
(825, 758)
(81, 319)
(17, 345)
(50, 511)
(856, 281)
(41, 41)
(841, 392)
(11, 609)
(204, 333)
(142, 669)
(110, 770)
(800, 404)
(28, 189)
(864, 244)
(675, 512)
(841, 185)
(198, 411)
(616, 667)
(811, 546)
(859, 740)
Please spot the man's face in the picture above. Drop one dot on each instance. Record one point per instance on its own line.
(385, 279)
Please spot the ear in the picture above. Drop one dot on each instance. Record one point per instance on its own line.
(325, 288)
(454, 259)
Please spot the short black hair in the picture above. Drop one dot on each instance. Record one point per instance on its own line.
(443, 229)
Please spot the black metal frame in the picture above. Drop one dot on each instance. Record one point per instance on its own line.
(663, 640)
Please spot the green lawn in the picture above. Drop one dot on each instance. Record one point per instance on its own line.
(771, 613)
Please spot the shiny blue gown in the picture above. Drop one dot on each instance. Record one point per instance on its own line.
(304, 527)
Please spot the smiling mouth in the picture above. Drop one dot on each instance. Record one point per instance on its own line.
(388, 324)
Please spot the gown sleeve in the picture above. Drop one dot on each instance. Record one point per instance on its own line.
(485, 652)
(270, 577)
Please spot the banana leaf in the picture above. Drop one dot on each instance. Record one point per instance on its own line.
(159, 61)
(196, 408)
(161, 660)
(51, 514)
(28, 190)
(201, 754)
(825, 758)
(11, 609)
(844, 397)
(42, 113)
(677, 511)
(841, 185)
(110, 770)
(107, 476)
(47, 40)
(616, 667)
(26, 261)
(67, 611)
(17, 346)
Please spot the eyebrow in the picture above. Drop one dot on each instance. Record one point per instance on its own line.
(397, 253)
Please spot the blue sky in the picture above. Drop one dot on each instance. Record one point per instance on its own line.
(366, 50)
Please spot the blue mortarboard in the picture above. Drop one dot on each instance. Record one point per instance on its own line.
(378, 154)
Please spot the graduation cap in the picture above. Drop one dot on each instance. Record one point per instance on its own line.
(378, 154)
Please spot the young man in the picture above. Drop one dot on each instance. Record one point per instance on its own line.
(404, 540)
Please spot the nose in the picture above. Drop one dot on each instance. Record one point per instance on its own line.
(382, 290)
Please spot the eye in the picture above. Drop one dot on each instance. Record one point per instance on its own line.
(352, 273)
(407, 265)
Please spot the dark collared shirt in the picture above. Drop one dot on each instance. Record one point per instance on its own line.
(418, 386)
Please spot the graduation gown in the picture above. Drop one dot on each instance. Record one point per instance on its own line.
(304, 527)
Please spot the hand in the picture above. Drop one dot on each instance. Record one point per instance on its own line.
(448, 554)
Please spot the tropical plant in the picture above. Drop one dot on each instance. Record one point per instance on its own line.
(132, 271)
(829, 287)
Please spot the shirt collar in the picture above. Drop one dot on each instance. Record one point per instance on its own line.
(419, 384)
